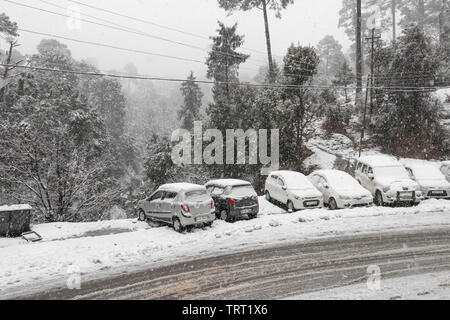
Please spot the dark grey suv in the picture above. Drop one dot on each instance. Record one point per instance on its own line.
(233, 199)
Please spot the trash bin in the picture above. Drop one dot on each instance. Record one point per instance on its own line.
(15, 220)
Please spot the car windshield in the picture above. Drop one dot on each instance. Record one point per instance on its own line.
(397, 172)
(427, 173)
(243, 191)
(298, 182)
(197, 196)
(343, 182)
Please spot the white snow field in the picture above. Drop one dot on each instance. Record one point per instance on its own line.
(107, 248)
(432, 286)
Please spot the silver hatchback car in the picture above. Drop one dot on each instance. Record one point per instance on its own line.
(180, 205)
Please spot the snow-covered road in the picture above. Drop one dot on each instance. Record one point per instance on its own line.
(90, 248)
(431, 286)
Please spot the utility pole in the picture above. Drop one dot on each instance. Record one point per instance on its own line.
(363, 131)
(12, 45)
(359, 70)
(268, 42)
(372, 67)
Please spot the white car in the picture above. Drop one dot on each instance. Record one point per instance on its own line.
(432, 182)
(445, 169)
(292, 189)
(180, 205)
(387, 180)
(340, 190)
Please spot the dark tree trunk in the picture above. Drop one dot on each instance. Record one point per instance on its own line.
(421, 14)
(394, 22)
(358, 53)
(269, 45)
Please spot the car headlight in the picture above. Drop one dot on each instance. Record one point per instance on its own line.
(419, 193)
(298, 198)
(346, 198)
(386, 189)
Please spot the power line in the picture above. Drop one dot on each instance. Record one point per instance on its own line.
(129, 30)
(110, 46)
(153, 78)
(153, 24)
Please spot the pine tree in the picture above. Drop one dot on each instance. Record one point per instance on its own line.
(408, 121)
(331, 55)
(344, 77)
(263, 5)
(193, 95)
(298, 107)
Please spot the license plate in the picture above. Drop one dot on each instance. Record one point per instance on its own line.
(311, 203)
(201, 219)
(407, 195)
(246, 211)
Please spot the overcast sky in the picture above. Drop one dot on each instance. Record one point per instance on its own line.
(306, 22)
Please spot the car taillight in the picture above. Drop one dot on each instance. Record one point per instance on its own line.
(232, 201)
(257, 200)
(212, 204)
(185, 208)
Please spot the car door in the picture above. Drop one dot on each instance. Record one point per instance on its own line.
(272, 187)
(219, 200)
(167, 206)
(364, 178)
(154, 205)
(282, 190)
(325, 189)
(315, 179)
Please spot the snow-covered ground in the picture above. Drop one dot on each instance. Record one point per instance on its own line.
(433, 286)
(105, 248)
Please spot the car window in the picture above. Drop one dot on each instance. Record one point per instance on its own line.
(170, 195)
(322, 181)
(157, 196)
(281, 182)
(370, 171)
(365, 169)
(315, 179)
(274, 179)
(197, 196)
(217, 191)
(359, 167)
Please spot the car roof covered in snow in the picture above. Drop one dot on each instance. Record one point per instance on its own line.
(228, 182)
(286, 173)
(332, 174)
(380, 161)
(17, 207)
(181, 187)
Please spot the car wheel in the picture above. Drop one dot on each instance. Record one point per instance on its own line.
(253, 216)
(177, 226)
(332, 204)
(142, 217)
(224, 216)
(379, 199)
(290, 206)
(268, 198)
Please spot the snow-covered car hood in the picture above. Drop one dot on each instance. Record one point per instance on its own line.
(353, 192)
(434, 183)
(398, 184)
(308, 193)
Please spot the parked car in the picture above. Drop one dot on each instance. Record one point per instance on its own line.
(387, 180)
(445, 169)
(340, 190)
(180, 205)
(292, 189)
(233, 199)
(430, 179)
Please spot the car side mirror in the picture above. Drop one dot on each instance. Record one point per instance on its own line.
(326, 186)
(284, 188)
(371, 176)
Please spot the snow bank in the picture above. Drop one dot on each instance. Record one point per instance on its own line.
(96, 253)
(434, 286)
